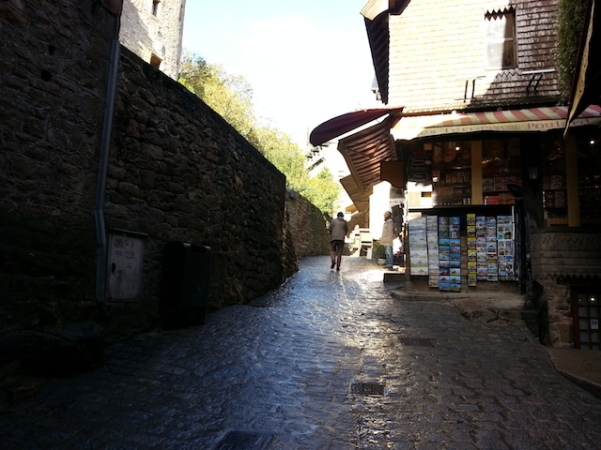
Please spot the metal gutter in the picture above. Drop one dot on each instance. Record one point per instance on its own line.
(103, 162)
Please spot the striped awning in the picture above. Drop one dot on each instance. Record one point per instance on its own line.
(519, 115)
(515, 120)
(365, 150)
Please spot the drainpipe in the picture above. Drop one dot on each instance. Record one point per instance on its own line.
(103, 162)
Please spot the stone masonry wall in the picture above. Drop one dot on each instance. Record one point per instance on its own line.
(54, 61)
(177, 171)
(562, 259)
(146, 34)
(308, 227)
(53, 68)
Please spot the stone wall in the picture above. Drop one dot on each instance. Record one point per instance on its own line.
(146, 32)
(308, 227)
(177, 172)
(53, 71)
(563, 259)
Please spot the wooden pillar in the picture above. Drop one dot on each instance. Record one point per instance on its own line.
(572, 182)
(477, 173)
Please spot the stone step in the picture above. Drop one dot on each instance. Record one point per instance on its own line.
(394, 277)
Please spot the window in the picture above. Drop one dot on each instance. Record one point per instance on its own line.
(589, 178)
(156, 8)
(500, 39)
(475, 172)
(451, 165)
(586, 315)
(155, 61)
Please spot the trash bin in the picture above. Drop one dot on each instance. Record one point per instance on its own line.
(184, 284)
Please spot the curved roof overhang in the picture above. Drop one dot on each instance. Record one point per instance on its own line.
(345, 123)
(365, 150)
(586, 84)
(376, 14)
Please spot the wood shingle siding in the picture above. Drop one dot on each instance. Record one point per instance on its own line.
(438, 56)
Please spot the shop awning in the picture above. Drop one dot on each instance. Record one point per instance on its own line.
(586, 85)
(359, 197)
(345, 123)
(365, 150)
(394, 173)
(516, 120)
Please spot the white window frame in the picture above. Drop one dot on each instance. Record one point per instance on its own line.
(501, 41)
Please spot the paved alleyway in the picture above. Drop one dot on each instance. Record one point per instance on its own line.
(331, 361)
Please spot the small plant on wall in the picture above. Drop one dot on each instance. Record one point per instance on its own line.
(570, 21)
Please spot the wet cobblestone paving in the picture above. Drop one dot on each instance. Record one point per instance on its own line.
(330, 361)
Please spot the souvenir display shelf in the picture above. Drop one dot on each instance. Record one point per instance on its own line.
(458, 247)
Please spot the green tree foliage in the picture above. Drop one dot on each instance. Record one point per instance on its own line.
(323, 191)
(283, 153)
(231, 97)
(570, 22)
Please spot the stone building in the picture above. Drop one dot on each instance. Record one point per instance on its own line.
(497, 198)
(105, 162)
(153, 30)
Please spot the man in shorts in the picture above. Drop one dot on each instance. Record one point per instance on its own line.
(338, 232)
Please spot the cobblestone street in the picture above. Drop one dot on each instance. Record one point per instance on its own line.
(330, 361)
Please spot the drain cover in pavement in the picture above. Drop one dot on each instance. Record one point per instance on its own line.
(367, 389)
(242, 440)
(416, 342)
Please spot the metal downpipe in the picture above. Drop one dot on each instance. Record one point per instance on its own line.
(103, 162)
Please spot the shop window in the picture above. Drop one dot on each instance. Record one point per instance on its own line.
(554, 181)
(501, 166)
(500, 39)
(459, 175)
(589, 179)
(451, 173)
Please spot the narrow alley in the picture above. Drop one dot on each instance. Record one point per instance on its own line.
(330, 361)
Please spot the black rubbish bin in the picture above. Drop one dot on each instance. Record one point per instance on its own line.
(184, 284)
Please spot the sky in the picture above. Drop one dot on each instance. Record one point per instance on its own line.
(306, 61)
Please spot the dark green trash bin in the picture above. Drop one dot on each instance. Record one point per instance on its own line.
(185, 283)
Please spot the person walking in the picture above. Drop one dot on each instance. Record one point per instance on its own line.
(338, 231)
(387, 238)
